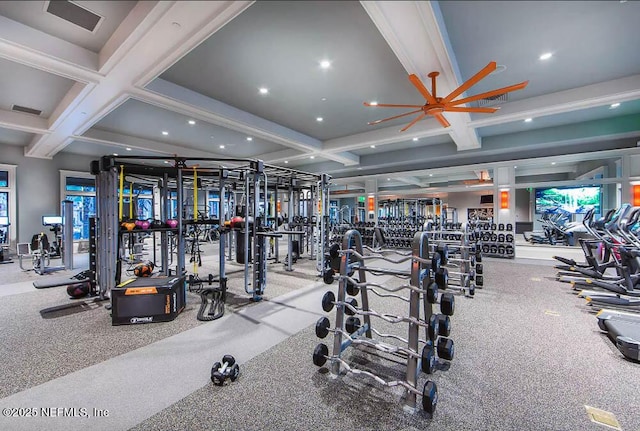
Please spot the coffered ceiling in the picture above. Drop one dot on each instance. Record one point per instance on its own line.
(246, 79)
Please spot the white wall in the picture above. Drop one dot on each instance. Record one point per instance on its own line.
(38, 185)
(461, 201)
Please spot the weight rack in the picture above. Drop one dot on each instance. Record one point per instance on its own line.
(498, 240)
(349, 332)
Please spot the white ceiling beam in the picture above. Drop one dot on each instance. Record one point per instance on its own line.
(545, 170)
(604, 93)
(23, 122)
(170, 96)
(25, 45)
(411, 180)
(385, 136)
(413, 33)
(104, 137)
(145, 52)
(139, 20)
(280, 156)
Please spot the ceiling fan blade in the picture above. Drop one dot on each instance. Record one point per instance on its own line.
(415, 120)
(458, 109)
(388, 105)
(422, 89)
(441, 119)
(471, 82)
(394, 117)
(490, 93)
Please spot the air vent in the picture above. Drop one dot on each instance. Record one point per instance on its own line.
(74, 13)
(26, 110)
(494, 100)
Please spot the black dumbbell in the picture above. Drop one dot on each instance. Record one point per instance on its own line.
(445, 348)
(227, 369)
(329, 300)
(323, 326)
(444, 325)
(428, 360)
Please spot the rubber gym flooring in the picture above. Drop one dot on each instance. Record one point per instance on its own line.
(528, 355)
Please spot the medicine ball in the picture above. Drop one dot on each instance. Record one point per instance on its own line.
(78, 290)
(157, 224)
(172, 223)
(143, 269)
(236, 221)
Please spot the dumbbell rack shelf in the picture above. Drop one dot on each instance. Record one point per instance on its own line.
(350, 332)
(491, 244)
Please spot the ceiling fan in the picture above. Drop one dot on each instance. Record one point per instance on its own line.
(435, 106)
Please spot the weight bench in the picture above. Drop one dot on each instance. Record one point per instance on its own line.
(22, 249)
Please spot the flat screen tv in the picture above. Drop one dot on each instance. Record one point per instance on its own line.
(576, 200)
(486, 199)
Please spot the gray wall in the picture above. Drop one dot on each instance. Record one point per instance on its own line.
(38, 186)
(523, 205)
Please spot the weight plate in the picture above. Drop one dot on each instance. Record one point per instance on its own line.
(320, 354)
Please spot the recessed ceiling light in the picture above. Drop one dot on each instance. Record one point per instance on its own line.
(515, 167)
(286, 161)
(415, 139)
(249, 138)
(128, 149)
(115, 154)
(263, 90)
(546, 56)
(324, 99)
(222, 147)
(372, 146)
(430, 175)
(528, 120)
(325, 64)
(373, 103)
(359, 169)
(312, 157)
(319, 119)
(166, 161)
(388, 179)
(614, 105)
(192, 122)
(165, 133)
(553, 163)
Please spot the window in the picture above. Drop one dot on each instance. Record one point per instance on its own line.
(8, 221)
(144, 203)
(84, 207)
(80, 188)
(213, 204)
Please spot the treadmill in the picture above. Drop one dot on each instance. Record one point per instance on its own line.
(623, 329)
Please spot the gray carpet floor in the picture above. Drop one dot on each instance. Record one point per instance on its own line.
(528, 356)
(46, 335)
